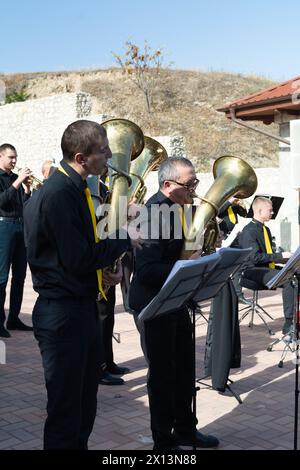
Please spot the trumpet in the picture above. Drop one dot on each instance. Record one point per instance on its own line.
(34, 182)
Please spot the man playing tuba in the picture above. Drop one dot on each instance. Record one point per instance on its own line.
(168, 339)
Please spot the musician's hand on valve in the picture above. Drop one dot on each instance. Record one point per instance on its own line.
(23, 178)
(137, 243)
(112, 279)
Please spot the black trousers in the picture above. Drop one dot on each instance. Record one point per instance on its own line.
(262, 276)
(12, 254)
(223, 342)
(68, 337)
(106, 310)
(170, 383)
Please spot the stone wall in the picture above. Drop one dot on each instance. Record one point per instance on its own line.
(35, 127)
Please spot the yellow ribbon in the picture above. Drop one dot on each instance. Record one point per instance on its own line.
(93, 217)
(268, 246)
(231, 215)
(182, 219)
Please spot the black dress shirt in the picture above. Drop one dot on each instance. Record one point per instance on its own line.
(156, 259)
(252, 236)
(62, 252)
(11, 199)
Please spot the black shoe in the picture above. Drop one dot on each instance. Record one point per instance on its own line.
(109, 379)
(287, 326)
(244, 301)
(117, 370)
(4, 333)
(158, 448)
(18, 325)
(200, 440)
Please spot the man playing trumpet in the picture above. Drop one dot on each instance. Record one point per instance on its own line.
(14, 191)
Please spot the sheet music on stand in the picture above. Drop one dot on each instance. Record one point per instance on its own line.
(230, 262)
(234, 233)
(287, 272)
(181, 283)
(190, 276)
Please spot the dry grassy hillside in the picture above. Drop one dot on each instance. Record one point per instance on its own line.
(184, 102)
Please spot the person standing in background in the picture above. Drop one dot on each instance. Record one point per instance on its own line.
(12, 248)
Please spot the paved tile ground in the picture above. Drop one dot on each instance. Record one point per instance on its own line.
(265, 419)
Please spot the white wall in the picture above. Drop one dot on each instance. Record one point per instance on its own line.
(35, 127)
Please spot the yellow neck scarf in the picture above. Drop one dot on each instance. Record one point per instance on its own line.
(231, 215)
(268, 246)
(93, 217)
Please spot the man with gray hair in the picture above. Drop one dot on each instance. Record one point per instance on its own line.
(168, 338)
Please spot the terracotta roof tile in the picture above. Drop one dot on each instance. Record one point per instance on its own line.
(285, 89)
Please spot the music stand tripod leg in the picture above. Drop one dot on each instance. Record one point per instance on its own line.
(192, 310)
(236, 396)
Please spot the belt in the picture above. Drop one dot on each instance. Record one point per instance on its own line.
(11, 219)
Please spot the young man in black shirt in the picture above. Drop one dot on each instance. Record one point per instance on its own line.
(260, 266)
(12, 248)
(65, 259)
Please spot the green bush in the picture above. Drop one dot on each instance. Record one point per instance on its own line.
(16, 96)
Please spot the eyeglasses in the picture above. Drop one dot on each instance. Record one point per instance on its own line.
(191, 185)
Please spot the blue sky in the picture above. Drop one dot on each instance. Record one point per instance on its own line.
(258, 37)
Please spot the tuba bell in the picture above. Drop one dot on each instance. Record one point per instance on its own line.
(149, 160)
(126, 141)
(233, 177)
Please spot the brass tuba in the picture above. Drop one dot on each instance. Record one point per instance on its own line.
(126, 141)
(233, 177)
(149, 160)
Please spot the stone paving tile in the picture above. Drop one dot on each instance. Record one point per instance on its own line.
(264, 421)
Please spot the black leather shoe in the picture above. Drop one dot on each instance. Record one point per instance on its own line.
(287, 326)
(18, 325)
(244, 301)
(164, 449)
(117, 370)
(202, 440)
(4, 333)
(109, 379)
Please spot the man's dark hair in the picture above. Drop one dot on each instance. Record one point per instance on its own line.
(81, 137)
(7, 146)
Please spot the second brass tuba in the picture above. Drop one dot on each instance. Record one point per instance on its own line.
(149, 160)
(126, 141)
(233, 177)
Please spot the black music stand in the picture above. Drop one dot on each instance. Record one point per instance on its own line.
(185, 280)
(291, 272)
(231, 261)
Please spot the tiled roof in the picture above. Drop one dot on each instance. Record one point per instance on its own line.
(263, 106)
(283, 90)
